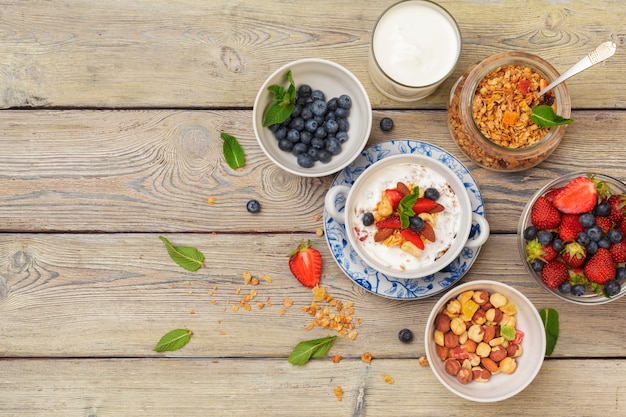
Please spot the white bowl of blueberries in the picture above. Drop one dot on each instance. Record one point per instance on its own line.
(312, 117)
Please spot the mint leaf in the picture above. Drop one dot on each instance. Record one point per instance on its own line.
(284, 102)
(308, 349)
(233, 153)
(550, 319)
(187, 257)
(544, 116)
(405, 207)
(173, 340)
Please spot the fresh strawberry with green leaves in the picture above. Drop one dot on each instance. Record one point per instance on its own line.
(543, 215)
(578, 196)
(391, 222)
(570, 227)
(618, 207)
(535, 250)
(394, 196)
(413, 237)
(574, 254)
(600, 267)
(554, 273)
(618, 252)
(305, 263)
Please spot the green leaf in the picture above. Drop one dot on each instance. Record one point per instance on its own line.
(284, 102)
(544, 116)
(550, 318)
(173, 340)
(308, 349)
(405, 207)
(233, 153)
(187, 257)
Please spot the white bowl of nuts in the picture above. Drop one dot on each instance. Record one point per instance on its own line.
(312, 117)
(485, 341)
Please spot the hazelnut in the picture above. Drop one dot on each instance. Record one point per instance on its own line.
(481, 374)
(480, 316)
(474, 359)
(493, 315)
(450, 340)
(465, 376)
(483, 350)
(480, 297)
(454, 307)
(498, 300)
(457, 325)
(508, 365)
(442, 322)
(514, 350)
(452, 366)
(498, 353)
(476, 333)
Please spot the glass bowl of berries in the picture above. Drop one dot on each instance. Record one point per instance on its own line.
(312, 117)
(572, 238)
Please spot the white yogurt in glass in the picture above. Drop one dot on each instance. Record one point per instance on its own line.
(415, 46)
(446, 222)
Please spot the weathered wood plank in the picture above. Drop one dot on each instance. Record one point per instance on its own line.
(227, 387)
(117, 294)
(146, 171)
(215, 54)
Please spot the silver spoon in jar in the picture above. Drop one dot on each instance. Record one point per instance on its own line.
(602, 52)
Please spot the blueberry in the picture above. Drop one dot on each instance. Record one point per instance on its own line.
(544, 237)
(297, 123)
(530, 232)
(587, 220)
(330, 115)
(602, 209)
(317, 143)
(343, 125)
(325, 156)
(431, 194)
(285, 145)
(307, 113)
(368, 219)
(333, 146)
(416, 223)
(293, 135)
(320, 132)
(620, 274)
(615, 236)
(332, 104)
(583, 238)
(342, 136)
(318, 95)
(604, 243)
(273, 128)
(557, 244)
(305, 161)
(594, 233)
(331, 126)
(537, 265)
(405, 335)
(253, 206)
(280, 133)
(310, 125)
(297, 110)
(305, 137)
(612, 288)
(304, 90)
(314, 153)
(344, 101)
(592, 248)
(319, 108)
(299, 148)
(578, 290)
(342, 113)
(565, 287)
(386, 124)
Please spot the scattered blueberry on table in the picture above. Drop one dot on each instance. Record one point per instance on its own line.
(253, 206)
(386, 124)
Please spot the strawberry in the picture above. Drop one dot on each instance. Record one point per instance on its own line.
(394, 196)
(605, 223)
(600, 267)
(554, 273)
(574, 254)
(543, 215)
(621, 226)
(425, 205)
(618, 252)
(535, 250)
(551, 195)
(618, 205)
(413, 237)
(570, 227)
(305, 264)
(578, 196)
(391, 222)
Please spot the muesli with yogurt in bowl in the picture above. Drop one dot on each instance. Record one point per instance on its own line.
(451, 221)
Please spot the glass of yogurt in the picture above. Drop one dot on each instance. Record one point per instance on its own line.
(415, 46)
(451, 224)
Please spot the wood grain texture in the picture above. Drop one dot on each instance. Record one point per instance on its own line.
(147, 171)
(227, 387)
(117, 294)
(202, 54)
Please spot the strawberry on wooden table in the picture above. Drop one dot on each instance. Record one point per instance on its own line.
(554, 273)
(570, 227)
(544, 215)
(574, 254)
(305, 263)
(578, 196)
(600, 267)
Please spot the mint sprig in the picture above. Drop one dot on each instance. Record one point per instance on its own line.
(550, 319)
(405, 207)
(308, 349)
(284, 102)
(186, 257)
(544, 116)
(173, 340)
(233, 152)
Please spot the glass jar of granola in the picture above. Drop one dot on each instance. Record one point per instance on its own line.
(490, 107)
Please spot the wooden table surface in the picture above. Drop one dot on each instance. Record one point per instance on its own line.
(109, 138)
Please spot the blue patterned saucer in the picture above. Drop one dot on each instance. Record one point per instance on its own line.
(374, 281)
